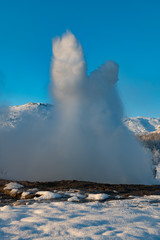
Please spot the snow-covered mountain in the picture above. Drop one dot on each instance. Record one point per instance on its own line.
(12, 115)
(142, 125)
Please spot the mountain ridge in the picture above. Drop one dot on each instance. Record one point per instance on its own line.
(10, 116)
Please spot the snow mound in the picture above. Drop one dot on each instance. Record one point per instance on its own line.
(73, 199)
(25, 194)
(12, 185)
(14, 191)
(97, 197)
(46, 195)
(76, 197)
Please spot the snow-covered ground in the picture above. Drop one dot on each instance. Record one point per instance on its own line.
(71, 214)
(137, 218)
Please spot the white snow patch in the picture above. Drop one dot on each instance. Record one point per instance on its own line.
(157, 197)
(33, 190)
(5, 208)
(47, 195)
(14, 191)
(24, 194)
(12, 185)
(98, 196)
(73, 199)
(78, 195)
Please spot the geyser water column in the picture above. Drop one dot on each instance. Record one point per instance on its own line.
(92, 141)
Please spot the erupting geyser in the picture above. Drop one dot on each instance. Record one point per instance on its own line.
(86, 139)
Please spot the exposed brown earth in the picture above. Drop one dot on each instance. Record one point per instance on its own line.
(123, 190)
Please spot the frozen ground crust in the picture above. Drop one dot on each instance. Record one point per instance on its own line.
(137, 218)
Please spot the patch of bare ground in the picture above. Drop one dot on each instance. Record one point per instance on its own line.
(8, 196)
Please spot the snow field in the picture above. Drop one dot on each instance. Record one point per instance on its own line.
(137, 218)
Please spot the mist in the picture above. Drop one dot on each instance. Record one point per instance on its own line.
(85, 139)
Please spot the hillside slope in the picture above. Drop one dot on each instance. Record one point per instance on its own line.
(142, 125)
(11, 116)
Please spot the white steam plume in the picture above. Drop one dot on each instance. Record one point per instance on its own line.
(86, 139)
(96, 145)
(69, 67)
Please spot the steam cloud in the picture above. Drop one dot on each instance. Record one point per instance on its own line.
(86, 139)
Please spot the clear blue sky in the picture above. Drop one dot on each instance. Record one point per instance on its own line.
(127, 32)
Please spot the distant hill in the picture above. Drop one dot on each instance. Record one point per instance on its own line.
(142, 125)
(12, 115)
